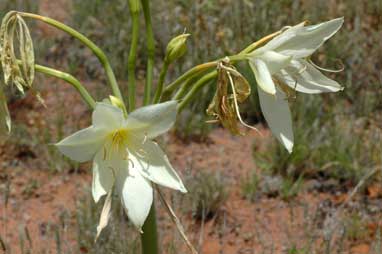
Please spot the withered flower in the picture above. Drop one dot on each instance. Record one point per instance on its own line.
(232, 89)
(16, 43)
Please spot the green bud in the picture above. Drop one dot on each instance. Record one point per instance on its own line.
(176, 48)
(118, 103)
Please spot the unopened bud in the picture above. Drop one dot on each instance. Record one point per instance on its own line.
(176, 48)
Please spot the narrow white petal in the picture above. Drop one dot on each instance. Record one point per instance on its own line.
(83, 145)
(309, 38)
(262, 75)
(103, 177)
(276, 112)
(153, 163)
(5, 119)
(107, 116)
(153, 120)
(136, 195)
(305, 78)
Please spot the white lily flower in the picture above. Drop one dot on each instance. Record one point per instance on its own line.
(284, 60)
(124, 155)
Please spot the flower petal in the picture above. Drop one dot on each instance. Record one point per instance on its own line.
(305, 78)
(153, 164)
(273, 60)
(153, 120)
(103, 178)
(84, 144)
(136, 195)
(308, 39)
(276, 111)
(5, 119)
(262, 75)
(107, 116)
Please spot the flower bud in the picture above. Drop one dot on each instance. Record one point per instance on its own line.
(176, 48)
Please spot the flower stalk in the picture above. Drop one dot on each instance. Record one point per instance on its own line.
(131, 65)
(150, 47)
(149, 238)
(71, 80)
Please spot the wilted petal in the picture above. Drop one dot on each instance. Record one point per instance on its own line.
(103, 176)
(153, 164)
(152, 120)
(308, 39)
(136, 195)
(107, 116)
(84, 144)
(5, 119)
(276, 112)
(262, 75)
(305, 78)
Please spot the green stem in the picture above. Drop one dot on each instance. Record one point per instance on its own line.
(134, 12)
(190, 73)
(71, 80)
(195, 89)
(150, 51)
(149, 238)
(94, 48)
(162, 76)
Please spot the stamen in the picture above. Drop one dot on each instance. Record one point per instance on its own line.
(237, 106)
(328, 70)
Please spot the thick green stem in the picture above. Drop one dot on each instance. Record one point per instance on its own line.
(162, 76)
(195, 89)
(71, 80)
(134, 11)
(150, 41)
(149, 238)
(94, 48)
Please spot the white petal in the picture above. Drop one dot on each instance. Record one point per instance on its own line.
(153, 163)
(283, 38)
(309, 38)
(274, 61)
(305, 78)
(5, 119)
(83, 145)
(263, 76)
(136, 195)
(107, 116)
(276, 111)
(153, 120)
(103, 177)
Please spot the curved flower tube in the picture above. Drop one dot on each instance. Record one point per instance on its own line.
(283, 61)
(125, 156)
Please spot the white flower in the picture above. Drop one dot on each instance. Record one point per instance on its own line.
(124, 155)
(284, 60)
